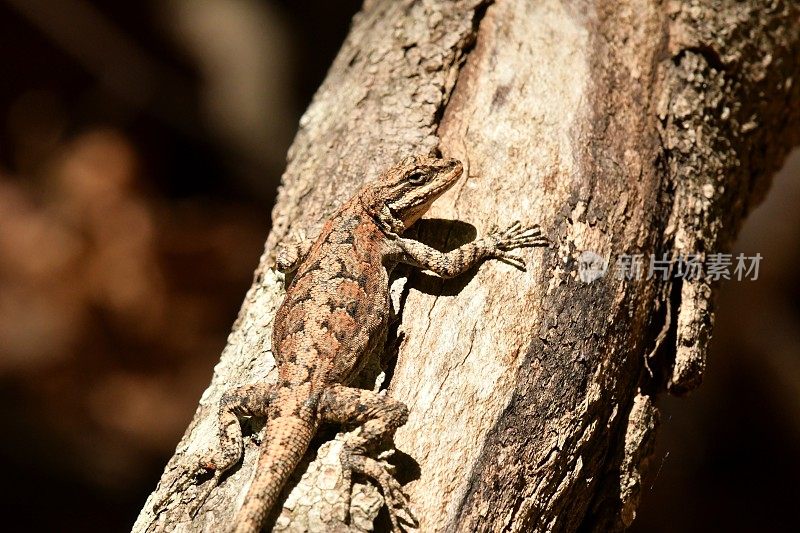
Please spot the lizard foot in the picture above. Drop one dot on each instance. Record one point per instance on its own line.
(247, 400)
(513, 237)
(377, 417)
(393, 495)
(188, 476)
(291, 253)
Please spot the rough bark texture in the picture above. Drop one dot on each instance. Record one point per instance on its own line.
(622, 128)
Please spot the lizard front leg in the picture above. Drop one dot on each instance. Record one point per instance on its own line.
(292, 253)
(496, 245)
(377, 418)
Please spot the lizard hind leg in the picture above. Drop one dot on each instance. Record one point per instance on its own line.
(377, 418)
(235, 404)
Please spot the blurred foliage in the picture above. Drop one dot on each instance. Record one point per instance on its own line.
(140, 151)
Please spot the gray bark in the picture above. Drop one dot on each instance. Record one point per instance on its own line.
(625, 127)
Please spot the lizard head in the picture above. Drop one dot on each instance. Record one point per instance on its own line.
(407, 190)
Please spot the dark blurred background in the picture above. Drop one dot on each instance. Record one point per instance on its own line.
(141, 145)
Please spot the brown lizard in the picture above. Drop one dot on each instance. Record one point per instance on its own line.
(334, 315)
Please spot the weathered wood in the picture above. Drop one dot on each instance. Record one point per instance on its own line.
(623, 128)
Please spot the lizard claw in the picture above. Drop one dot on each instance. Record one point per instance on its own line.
(511, 259)
(185, 478)
(513, 237)
(396, 500)
(292, 251)
(287, 258)
(517, 236)
(201, 498)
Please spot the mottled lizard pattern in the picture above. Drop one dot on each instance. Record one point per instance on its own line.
(334, 316)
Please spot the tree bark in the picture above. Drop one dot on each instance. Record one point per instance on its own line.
(622, 128)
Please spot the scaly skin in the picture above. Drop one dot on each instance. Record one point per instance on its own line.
(334, 316)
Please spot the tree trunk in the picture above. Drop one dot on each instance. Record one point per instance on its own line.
(621, 127)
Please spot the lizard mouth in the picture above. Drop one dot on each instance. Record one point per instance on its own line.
(449, 174)
(412, 202)
(446, 176)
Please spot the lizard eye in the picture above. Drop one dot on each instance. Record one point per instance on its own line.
(417, 178)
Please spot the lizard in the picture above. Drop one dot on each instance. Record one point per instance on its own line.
(334, 315)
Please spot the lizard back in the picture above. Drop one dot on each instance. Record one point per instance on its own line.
(337, 306)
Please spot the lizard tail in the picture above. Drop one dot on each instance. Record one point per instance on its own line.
(286, 441)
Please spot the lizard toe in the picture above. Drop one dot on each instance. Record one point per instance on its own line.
(511, 259)
(396, 500)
